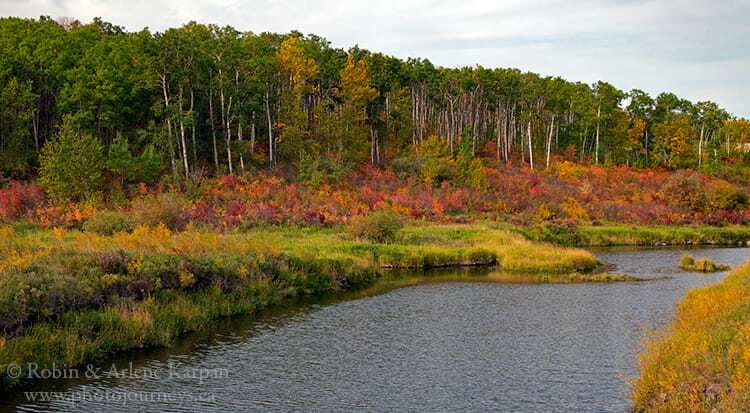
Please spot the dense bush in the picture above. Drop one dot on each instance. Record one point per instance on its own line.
(686, 189)
(560, 232)
(406, 165)
(726, 196)
(165, 208)
(380, 226)
(109, 222)
(17, 199)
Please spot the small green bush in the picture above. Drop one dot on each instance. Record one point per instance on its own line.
(382, 227)
(109, 222)
(316, 170)
(71, 163)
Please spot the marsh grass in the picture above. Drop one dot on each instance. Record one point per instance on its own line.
(606, 235)
(702, 361)
(703, 264)
(478, 244)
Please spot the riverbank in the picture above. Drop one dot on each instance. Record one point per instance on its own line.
(69, 297)
(589, 235)
(702, 362)
(664, 235)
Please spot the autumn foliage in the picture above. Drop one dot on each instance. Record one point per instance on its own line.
(565, 192)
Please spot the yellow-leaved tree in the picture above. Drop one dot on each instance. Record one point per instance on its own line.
(297, 75)
(356, 93)
(673, 137)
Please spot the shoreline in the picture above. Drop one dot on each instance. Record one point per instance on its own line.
(224, 276)
(701, 361)
(144, 289)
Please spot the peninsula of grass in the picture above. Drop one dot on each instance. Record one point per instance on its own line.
(702, 361)
(702, 264)
(69, 297)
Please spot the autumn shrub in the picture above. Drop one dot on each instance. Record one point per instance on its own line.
(18, 200)
(265, 213)
(726, 196)
(311, 218)
(437, 165)
(200, 214)
(109, 222)
(381, 227)
(435, 171)
(113, 262)
(687, 190)
(477, 176)
(165, 208)
(720, 218)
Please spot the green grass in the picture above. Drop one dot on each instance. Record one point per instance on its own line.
(606, 235)
(703, 264)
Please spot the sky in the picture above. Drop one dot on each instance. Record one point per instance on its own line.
(696, 49)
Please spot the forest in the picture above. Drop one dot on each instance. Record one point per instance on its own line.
(203, 100)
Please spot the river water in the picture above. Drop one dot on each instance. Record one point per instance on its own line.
(449, 341)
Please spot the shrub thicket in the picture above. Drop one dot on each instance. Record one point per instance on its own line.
(382, 226)
(686, 189)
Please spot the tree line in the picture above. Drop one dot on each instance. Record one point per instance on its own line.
(204, 99)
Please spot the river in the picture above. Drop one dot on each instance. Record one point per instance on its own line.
(447, 341)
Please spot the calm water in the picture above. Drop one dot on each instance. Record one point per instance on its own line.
(447, 342)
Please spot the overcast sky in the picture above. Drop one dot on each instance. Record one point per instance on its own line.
(699, 50)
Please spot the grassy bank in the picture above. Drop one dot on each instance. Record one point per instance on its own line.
(605, 235)
(702, 363)
(572, 234)
(71, 297)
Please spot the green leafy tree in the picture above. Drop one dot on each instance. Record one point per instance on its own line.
(71, 163)
(17, 148)
(120, 161)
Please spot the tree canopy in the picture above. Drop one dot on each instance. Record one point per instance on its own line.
(203, 99)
